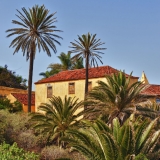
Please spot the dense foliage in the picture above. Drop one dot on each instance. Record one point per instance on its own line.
(100, 141)
(9, 78)
(57, 116)
(117, 97)
(13, 152)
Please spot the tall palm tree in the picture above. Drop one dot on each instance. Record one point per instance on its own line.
(100, 141)
(117, 96)
(57, 116)
(36, 31)
(88, 48)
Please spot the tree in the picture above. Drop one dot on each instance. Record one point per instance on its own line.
(88, 48)
(45, 74)
(57, 116)
(100, 141)
(117, 96)
(9, 78)
(55, 66)
(69, 63)
(65, 61)
(66, 64)
(36, 31)
(77, 64)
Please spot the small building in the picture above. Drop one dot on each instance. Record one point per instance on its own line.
(23, 99)
(152, 90)
(21, 95)
(72, 83)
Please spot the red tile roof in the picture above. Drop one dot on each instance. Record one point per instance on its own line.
(23, 98)
(80, 74)
(152, 90)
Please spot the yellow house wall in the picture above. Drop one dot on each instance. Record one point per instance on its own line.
(11, 98)
(61, 89)
(4, 91)
(25, 108)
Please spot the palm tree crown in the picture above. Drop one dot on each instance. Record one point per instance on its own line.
(58, 116)
(36, 31)
(65, 60)
(88, 48)
(117, 96)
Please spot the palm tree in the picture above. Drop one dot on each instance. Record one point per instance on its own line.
(77, 63)
(36, 31)
(58, 116)
(45, 74)
(88, 48)
(66, 63)
(116, 96)
(65, 60)
(100, 141)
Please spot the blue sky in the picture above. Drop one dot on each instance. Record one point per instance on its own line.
(130, 30)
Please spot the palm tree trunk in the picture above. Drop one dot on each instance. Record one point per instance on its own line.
(30, 81)
(86, 81)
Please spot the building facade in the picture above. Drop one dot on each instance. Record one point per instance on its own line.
(71, 83)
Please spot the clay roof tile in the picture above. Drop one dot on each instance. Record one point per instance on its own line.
(23, 98)
(79, 74)
(152, 90)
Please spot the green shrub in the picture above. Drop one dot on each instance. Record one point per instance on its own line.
(27, 140)
(11, 107)
(16, 107)
(17, 128)
(54, 152)
(15, 124)
(2, 130)
(12, 152)
(5, 103)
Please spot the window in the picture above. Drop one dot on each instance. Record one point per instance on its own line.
(89, 86)
(158, 100)
(49, 91)
(71, 88)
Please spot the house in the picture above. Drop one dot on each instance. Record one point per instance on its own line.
(152, 90)
(23, 99)
(21, 95)
(71, 83)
